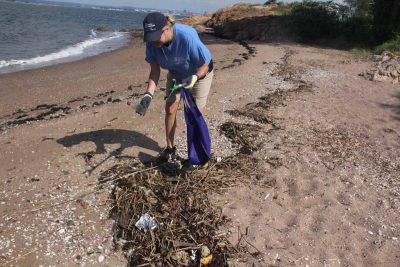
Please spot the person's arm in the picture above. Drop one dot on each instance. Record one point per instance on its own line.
(199, 54)
(202, 71)
(190, 81)
(151, 87)
(153, 78)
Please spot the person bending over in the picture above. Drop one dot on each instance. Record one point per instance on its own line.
(177, 48)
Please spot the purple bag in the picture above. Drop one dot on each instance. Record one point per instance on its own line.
(198, 137)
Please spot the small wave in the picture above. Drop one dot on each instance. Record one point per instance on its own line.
(107, 8)
(74, 51)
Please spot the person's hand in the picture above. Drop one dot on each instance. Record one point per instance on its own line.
(189, 82)
(144, 104)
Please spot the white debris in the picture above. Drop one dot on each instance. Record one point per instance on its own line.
(101, 258)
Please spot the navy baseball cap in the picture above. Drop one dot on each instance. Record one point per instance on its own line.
(153, 24)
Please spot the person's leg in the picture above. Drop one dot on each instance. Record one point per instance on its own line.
(170, 122)
(201, 91)
(171, 108)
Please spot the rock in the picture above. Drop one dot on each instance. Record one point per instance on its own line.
(386, 69)
(89, 251)
(101, 258)
(195, 20)
(102, 29)
(249, 22)
(116, 100)
(204, 251)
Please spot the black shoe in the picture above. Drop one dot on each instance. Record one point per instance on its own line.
(168, 154)
(187, 167)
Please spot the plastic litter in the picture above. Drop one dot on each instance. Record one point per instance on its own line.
(146, 222)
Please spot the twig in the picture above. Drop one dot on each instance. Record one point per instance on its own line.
(252, 245)
(188, 248)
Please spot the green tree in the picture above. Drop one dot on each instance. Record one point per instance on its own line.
(360, 7)
(312, 20)
(386, 19)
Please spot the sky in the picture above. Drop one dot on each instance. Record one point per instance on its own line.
(198, 6)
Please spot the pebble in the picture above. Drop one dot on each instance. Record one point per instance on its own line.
(101, 258)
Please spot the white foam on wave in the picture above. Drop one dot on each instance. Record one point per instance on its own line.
(107, 8)
(93, 33)
(91, 46)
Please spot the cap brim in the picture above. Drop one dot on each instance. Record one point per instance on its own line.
(152, 36)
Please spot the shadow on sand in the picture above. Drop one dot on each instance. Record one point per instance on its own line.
(395, 108)
(124, 138)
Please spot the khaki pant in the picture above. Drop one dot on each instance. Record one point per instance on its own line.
(200, 90)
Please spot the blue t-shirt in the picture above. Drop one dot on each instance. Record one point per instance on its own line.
(184, 55)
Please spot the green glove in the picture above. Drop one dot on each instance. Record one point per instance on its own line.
(189, 82)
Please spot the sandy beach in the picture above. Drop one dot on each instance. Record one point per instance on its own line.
(329, 193)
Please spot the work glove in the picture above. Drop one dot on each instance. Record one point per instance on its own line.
(144, 104)
(189, 82)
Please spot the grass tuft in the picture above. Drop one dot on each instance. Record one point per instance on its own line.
(392, 45)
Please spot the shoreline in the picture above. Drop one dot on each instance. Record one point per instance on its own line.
(38, 68)
(134, 34)
(61, 82)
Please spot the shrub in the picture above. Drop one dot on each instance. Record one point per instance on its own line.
(386, 19)
(391, 45)
(357, 30)
(311, 20)
(360, 52)
(281, 8)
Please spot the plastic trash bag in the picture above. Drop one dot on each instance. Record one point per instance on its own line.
(198, 137)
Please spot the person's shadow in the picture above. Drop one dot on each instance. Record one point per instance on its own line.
(124, 138)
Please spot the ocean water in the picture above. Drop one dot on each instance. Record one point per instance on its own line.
(36, 34)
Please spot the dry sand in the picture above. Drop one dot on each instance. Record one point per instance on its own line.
(330, 157)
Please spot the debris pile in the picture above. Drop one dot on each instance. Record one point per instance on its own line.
(243, 134)
(182, 223)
